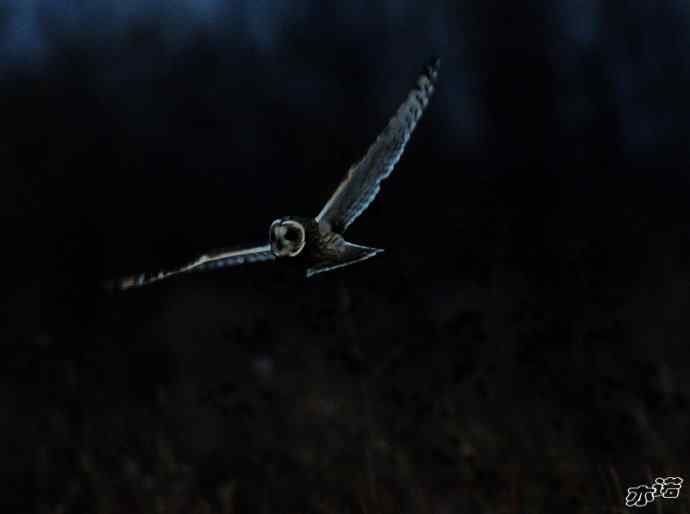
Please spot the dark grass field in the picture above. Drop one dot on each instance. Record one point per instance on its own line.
(520, 347)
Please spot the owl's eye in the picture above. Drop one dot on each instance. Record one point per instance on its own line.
(292, 235)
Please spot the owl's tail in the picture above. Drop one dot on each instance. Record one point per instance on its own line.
(352, 254)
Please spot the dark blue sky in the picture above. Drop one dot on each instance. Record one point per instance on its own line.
(641, 45)
(212, 100)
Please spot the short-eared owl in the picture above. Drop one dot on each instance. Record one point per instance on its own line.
(318, 242)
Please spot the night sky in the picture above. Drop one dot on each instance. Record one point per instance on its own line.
(520, 346)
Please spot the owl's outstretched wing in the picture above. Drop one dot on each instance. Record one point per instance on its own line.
(212, 260)
(362, 183)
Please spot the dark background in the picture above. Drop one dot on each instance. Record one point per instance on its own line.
(521, 346)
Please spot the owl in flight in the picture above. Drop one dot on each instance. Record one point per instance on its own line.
(318, 242)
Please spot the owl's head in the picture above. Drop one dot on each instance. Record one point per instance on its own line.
(287, 237)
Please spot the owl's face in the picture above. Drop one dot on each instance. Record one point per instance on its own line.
(287, 238)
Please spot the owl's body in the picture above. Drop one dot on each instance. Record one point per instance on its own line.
(323, 249)
(322, 244)
(318, 244)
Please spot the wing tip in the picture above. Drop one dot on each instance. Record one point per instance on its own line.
(113, 285)
(426, 82)
(432, 67)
